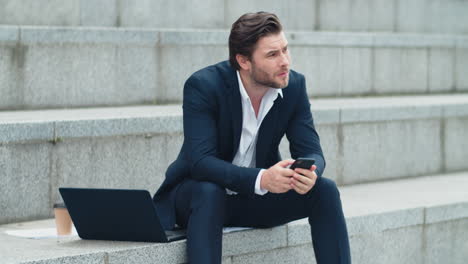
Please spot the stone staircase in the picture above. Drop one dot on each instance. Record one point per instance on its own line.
(91, 97)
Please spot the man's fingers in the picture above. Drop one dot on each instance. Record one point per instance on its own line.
(308, 173)
(299, 187)
(285, 163)
(303, 179)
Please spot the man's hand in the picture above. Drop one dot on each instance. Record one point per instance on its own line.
(278, 178)
(303, 180)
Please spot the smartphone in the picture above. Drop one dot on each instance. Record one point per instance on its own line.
(303, 163)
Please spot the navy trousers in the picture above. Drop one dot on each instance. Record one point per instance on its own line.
(204, 208)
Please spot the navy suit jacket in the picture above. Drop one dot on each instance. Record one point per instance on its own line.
(212, 117)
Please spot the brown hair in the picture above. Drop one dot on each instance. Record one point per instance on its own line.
(247, 30)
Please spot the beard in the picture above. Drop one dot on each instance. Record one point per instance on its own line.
(264, 78)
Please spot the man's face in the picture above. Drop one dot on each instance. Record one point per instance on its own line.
(270, 61)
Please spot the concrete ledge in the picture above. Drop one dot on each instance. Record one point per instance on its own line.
(130, 147)
(50, 125)
(446, 16)
(372, 211)
(51, 67)
(46, 34)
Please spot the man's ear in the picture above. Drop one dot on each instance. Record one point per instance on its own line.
(243, 61)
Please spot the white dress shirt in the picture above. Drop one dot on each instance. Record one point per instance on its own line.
(245, 156)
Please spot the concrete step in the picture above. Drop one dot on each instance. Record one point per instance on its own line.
(364, 140)
(419, 221)
(434, 16)
(47, 67)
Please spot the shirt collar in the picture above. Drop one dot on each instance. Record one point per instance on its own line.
(244, 94)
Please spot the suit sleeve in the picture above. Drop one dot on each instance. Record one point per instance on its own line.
(200, 137)
(303, 139)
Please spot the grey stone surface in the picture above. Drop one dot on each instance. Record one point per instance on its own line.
(322, 68)
(462, 69)
(152, 253)
(131, 147)
(386, 223)
(411, 16)
(123, 126)
(9, 34)
(456, 143)
(400, 71)
(387, 112)
(76, 35)
(357, 71)
(359, 222)
(441, 70)
(125, 162)
(435, 16)
(173, 76)
(10, 60)
(168, 14)
(318, 38)
(75, 67)
(237, 243)
(446, 242)
(447, 212)
(330, 141)
(25, 174)
(391, 150)
(33, 12)
(76, 75)
(380, 222)
(95, 258)
(291, 255)
(395, 246)
(295, 14)
(184, 38)
(361, 15)
(413, 40)
(101, 13)
(21, 132)
(334, 71)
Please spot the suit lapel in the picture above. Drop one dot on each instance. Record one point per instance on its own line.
(267, 130)
(235, 106)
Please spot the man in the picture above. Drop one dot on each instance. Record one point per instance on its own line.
(229, 171)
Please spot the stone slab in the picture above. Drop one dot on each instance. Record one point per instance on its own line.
(446, 242)
(25, 174)
(441, 70)
(99, 14)
(391, 150)
(9, 34)
(295, 14)
(400, 71)
(54, 67)
(361, 15)
(123, 162)
(456, 146)
(403, 245)
(462, 69)
(117, 121)
(383, 226)
(290, 255)
(32, 12)
(435, 16)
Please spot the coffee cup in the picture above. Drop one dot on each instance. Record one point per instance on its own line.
(63, 220)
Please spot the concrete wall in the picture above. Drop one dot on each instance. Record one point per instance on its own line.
(431, 16)
(364, 140)
(59, 67)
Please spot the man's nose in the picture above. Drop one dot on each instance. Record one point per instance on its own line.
(285, 59)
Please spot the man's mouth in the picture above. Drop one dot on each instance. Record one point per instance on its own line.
(283, 74)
